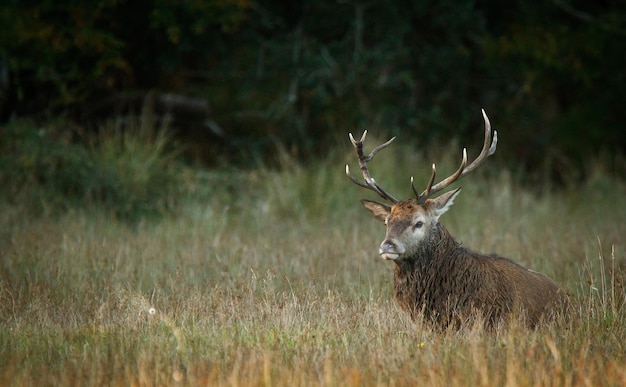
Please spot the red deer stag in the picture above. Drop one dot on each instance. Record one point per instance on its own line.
(437, 278)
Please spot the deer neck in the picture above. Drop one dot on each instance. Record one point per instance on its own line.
(439, 244)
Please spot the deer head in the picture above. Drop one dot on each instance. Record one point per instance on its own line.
(410, 223)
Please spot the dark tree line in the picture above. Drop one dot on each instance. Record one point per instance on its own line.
(551, 74)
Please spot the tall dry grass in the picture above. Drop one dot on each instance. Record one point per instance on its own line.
(271, 278)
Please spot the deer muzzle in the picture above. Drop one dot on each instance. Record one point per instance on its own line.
(390, 249)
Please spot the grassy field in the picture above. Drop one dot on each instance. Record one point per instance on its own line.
(267, 278)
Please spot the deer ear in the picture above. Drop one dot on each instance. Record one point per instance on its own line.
(379, 210)
(442, 203)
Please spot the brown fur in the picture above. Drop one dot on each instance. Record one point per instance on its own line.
(451, 284)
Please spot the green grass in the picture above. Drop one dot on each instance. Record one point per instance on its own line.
(271, 278)
(127, 166)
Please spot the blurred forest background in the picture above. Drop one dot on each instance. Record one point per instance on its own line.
(234, 79)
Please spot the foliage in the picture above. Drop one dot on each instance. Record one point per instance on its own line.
(129, 169)
(60, 52)
(559, 75)
(550, 80)
(550, 74)
(63, 54)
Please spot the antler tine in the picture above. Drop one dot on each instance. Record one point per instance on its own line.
(369, 181)
(417, 194)
(489, 148)
(426, 192)
(430, 189)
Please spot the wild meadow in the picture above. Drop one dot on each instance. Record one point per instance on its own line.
(270, 277)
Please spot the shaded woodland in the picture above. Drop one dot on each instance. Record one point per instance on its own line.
(238, 78)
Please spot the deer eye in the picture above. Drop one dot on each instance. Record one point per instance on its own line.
(419, 224)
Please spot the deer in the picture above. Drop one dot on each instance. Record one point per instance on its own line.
(435, 277)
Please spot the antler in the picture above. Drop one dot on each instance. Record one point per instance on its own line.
(369, 181)
(489, 147)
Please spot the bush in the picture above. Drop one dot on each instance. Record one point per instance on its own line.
(127, 166)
